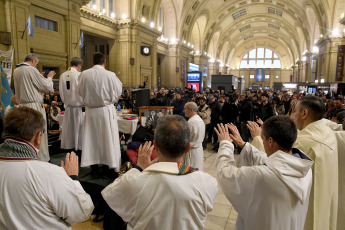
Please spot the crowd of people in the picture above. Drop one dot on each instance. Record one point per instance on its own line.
(283, 178)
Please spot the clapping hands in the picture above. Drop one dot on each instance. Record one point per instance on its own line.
(223, 134)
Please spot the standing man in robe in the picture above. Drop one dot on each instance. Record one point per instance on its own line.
(100, 89)
(318, 141)
(269, 190)
(72, 127)
(29, 85)
(195, 156)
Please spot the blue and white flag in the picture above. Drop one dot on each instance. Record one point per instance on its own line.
(30, 27)
(6, 93)
(81, 39)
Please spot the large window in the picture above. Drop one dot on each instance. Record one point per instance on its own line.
(260, 58)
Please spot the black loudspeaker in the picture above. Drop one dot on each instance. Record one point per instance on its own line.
(140, 97)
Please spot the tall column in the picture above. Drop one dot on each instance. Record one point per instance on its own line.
(154, 81)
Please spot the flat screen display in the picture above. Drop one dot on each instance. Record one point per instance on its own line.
(193, 77)
(194, 86)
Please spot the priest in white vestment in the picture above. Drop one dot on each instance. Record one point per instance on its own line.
(195, 156)
(100, 89)
(269, 190)
(319, 142)
(72, 126)
(29, 85)
(36, 194)
(166, 195)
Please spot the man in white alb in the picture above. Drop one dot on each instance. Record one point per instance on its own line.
(168, 194)
(72, 126)
(29, 85)
(36, 194)
(195, 156)
(268, 190)
(100, 89)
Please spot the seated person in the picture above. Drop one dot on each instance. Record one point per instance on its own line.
(268, 190)
(36, 194)
(165, 195)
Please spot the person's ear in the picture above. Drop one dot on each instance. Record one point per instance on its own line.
(37, 139)
(156, 146)
(188, 148)
(305, 114)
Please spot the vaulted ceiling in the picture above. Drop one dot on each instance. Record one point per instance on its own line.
(227, 29)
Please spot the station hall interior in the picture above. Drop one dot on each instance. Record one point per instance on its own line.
(155, 41)
(262, 43)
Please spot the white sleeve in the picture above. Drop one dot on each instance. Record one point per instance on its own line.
(41, 82)
(122, 196)
(65, 196)
(237, 183)
(257, 143)
(251, 156)
(61, 88)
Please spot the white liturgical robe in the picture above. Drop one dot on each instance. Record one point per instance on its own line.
(268, 193)
(159, 198)
(40, 195)
(100, 89)
(319, 142)
(195, 156)
(72, 127)
(28, 85)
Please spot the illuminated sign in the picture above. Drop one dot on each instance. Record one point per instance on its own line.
(193, 67)
(193, 77)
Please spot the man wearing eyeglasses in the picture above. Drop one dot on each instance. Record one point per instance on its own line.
(36, 194)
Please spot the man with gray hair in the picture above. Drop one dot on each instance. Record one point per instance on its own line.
(72, 126)
(195, 156)
(168, 194)
(29, 84)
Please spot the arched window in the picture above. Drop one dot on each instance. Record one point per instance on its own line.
(260, 58)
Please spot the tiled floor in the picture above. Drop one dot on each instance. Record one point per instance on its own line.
(223, 215)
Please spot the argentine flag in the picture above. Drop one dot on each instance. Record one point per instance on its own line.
(81, 39)
(30, 27)
(5, 92)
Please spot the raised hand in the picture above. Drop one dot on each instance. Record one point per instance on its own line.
(144, 155)
(235, 136)
(259, 121)
(222, 132)
(71, 164)
(254, 128)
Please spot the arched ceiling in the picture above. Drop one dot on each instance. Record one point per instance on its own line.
(226, 29)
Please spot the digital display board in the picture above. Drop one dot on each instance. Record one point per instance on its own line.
(194, 86)
(193, 77)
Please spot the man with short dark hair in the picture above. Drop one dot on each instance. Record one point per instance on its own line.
(266, 108)
(100, 89)
(268, 190)
(165, 195)
(29, 84)
(36, 194)
(338, 108)
(195, 156)
(72, 126)
(318, 141)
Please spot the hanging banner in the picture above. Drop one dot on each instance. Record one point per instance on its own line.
(340, 63)
(183, 70)
(6, 59)
(260, 73)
